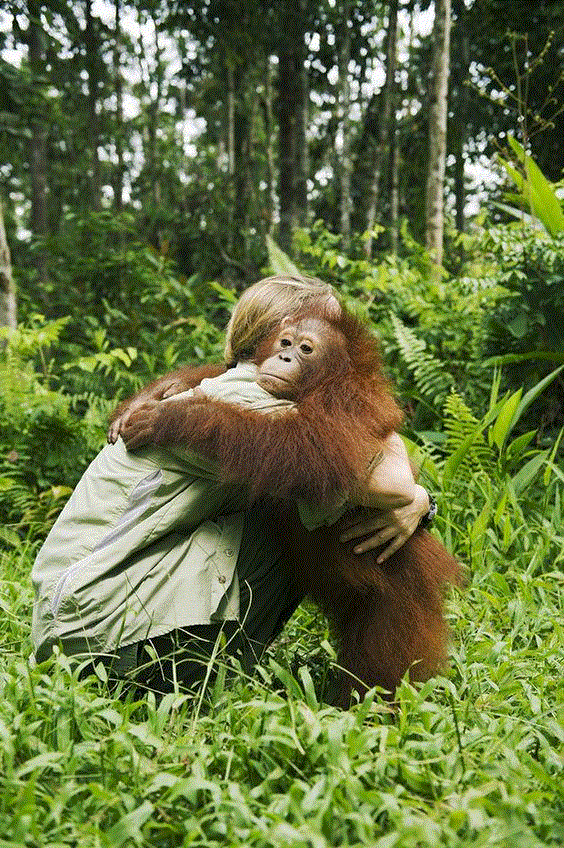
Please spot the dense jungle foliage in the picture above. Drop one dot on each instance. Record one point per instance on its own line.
(154, 158)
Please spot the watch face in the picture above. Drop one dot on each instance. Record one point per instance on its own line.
(428, 517)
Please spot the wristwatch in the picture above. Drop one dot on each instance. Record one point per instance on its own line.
(428, 517)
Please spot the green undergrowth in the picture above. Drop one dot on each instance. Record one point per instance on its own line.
(474, 758)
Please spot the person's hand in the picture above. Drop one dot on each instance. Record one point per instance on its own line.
(394, 526)
(138, 426)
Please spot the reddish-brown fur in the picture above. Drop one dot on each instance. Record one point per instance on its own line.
(389, 617)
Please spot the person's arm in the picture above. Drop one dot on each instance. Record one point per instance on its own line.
(394, 503)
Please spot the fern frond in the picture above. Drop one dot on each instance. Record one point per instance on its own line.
(429, 374)
(459, 424)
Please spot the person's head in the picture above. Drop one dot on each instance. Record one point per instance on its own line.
(262, 307)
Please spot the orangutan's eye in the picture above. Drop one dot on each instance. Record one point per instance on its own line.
(305, 348)
(285, 342)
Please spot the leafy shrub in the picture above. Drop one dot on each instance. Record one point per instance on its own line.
(44, 444)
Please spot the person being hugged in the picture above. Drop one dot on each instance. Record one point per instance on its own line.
(158, 549)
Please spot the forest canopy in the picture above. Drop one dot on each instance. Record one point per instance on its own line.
(203, 127)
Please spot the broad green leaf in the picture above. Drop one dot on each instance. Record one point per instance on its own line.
(309, 688)
(520, 444)
(500, 429)
(280, 262)
(549, 208)
(527, 474)
(227, 294)
(532, 395)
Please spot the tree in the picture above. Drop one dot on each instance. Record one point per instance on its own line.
(434, 195)
(38, 140)
(7, 289)
(287, 64)
(387, 124)
(344, 105)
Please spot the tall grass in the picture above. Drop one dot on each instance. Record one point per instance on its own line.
(473, 758)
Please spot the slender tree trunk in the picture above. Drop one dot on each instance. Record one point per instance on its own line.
(155, 112)
(434, 196)
(286, 125)
(302, 118)
(92, 64)
(118, 84)
(461, 112)
(230, 144)
(38, 140)
(394, 190)
(384, 122)
(344, 96)
(8, 315)
(269, 133)
(230, 119)
(242, 175)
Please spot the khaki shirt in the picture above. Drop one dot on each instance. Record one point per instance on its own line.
(147, 543)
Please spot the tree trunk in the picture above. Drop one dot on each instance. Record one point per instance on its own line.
(242, 174)
(269, 133)
(118, 84)
(461, 112)
(394, 190)
(344, 98)
(384, 122)
(287, 125)
(302, 118)
(434, 195)
(230, 144)
(8, 316)
(92, 67)
(38, 140)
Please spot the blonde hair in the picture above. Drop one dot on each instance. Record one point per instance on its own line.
(262, 307)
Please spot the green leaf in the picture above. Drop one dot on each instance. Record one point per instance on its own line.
(309, 688)
(527, 474)
(549, 210)
(279, 261)
(455, 460)
(550, 466)
(501, 428)
(532, 395)
(542, 355)
(129, 826)
(536, 189)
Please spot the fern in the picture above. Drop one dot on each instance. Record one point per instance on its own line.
(459, 424)
(431, 379)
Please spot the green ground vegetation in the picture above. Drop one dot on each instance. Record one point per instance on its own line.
(472, 758)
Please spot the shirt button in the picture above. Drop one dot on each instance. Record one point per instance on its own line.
(222, 578)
